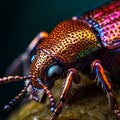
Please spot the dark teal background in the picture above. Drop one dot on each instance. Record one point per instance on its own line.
(21, 20)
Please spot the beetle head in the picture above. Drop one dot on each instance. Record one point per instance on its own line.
(46, 68)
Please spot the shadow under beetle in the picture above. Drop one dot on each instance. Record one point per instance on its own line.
(89, 43)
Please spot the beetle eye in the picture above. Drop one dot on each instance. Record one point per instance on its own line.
(54, 70)
(32, 58)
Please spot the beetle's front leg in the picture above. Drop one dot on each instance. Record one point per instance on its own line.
(72, 73)
(23, 60)
(102, 78)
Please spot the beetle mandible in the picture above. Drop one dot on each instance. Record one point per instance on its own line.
(89, 43)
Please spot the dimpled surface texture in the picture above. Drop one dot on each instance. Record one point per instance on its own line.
(106, 20)
(40, 64)
(69, 39)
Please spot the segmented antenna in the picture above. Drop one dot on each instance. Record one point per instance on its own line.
(20, 95)
(13, 79)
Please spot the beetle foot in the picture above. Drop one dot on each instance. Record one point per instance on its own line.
(57, 111)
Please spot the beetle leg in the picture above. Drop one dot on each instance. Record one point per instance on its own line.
(22, 62)
(49, 94)
(100, 73)
(71, 73)
(75, 18)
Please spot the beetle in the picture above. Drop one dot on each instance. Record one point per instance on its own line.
(89, 43)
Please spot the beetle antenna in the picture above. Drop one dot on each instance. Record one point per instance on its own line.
(16, 99)
(13, 79)
(20, 95)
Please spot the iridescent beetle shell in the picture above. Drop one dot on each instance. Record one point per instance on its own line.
(106, 20)
(68, 40)
(88, 42)
(75, 39)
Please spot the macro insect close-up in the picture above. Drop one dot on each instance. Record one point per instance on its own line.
(87, 44)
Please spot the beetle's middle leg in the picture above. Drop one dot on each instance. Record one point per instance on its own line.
(102, 78)
(72, 76)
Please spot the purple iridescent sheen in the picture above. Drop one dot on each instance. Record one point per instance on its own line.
(106, 20)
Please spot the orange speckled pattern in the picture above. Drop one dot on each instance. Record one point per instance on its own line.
(69, 40)
(40, 64)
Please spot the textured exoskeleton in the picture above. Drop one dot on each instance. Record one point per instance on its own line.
(89, 43)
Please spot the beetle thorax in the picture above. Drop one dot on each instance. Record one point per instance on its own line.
(69, 40)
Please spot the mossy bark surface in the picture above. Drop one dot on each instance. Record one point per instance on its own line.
(86, 102)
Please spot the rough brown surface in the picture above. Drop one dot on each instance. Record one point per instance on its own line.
(86, 102)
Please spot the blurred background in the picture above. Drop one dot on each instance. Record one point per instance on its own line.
(21, 21)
